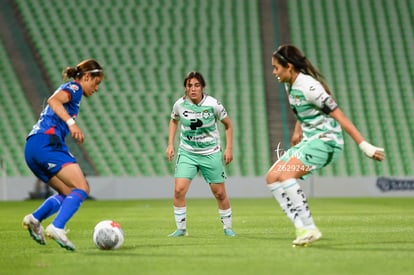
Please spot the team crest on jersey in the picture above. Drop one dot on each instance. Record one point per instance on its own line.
(206, 114)
(295, 100)
(74, 87)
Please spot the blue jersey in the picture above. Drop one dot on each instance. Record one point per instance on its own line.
(49, 122)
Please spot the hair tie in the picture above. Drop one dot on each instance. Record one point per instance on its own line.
(78, 71)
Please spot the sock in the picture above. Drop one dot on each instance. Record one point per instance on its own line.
(49, 207)
(284, 201)
(69, 207)
(180, 214)
(299, 202)
(225, 216)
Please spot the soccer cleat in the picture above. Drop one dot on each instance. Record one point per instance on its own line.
(229, 232)
(59, 235)
(179, 233)
(306, 236)
(35, 229)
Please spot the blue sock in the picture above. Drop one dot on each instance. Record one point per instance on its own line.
(69, 207)
(49, 207)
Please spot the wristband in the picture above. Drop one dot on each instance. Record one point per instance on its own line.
(369, 149)
(70, 122)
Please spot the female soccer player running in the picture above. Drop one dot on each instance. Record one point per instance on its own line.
(317, 139)
(200, 149)
(49, 158)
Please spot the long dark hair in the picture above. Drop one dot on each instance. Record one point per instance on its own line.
(290, 54)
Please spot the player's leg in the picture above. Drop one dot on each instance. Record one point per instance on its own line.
(52, 204)
(295, 169)
(212, 168)
(276, 188)
(282, 182)
(185, 171)
(32, 222)
(38, 156)
(224, 209)
(314, 155)
(73, 178)
(180, 209)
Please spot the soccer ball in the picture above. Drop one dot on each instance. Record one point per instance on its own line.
(108, 234)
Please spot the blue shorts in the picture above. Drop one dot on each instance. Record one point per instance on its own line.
(46, 155)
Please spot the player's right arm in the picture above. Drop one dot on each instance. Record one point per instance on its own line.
(297, 134)
(172, 129)
(56, 102)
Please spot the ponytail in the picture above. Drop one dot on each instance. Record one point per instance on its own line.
(290, 54)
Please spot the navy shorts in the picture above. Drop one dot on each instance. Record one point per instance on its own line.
(46, 155)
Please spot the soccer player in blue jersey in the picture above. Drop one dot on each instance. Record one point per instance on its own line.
(317, 139)
(49, 158)
(199, 149)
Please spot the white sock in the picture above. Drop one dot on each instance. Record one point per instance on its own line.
(284, 201)
(225, 216)
(299, 202)
(180, 214)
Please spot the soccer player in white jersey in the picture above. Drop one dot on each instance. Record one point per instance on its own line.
(316, 142)
(199, 150)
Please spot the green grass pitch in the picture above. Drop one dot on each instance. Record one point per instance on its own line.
(360, 236)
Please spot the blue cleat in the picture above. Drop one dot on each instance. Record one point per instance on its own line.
(229, 232)
(179, 233)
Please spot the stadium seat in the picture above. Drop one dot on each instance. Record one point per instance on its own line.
(359, 46)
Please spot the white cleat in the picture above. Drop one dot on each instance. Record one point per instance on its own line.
(59, 235)
(306, 236)
(35, 229)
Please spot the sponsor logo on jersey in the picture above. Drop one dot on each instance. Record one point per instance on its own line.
(50, 165)
(194, 115)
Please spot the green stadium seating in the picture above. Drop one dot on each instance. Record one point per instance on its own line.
(16, 118)
(147, 47)
(363, 48)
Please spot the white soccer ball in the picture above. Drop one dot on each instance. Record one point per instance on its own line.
(108, 234)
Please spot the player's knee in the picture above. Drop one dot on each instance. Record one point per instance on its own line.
(179, 192)
(82, 185)
(272, 177)
(86, 189)
(220, 195)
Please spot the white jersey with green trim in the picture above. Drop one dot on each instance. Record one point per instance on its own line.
(199, 131)
(307, 98)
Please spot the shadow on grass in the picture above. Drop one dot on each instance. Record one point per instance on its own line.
(374, 246)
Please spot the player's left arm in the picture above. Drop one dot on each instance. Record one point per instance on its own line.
(228, 152)
(369, 150)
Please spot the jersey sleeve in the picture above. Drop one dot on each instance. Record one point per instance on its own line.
(220, 111)
(317, 95)
(71, 89)
(175, 114)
